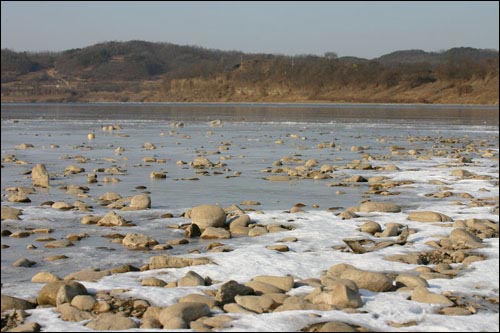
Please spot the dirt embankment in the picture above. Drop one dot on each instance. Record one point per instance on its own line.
(219, 89)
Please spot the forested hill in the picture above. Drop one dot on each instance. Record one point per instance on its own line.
(145, 71)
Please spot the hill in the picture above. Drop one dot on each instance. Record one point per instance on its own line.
(145, 71)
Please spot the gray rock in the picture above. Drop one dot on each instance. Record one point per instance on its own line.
(227, 291)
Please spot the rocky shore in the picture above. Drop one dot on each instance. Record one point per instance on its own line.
(216, 271)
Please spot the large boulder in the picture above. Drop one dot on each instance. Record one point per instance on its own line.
(58, 292)
(40, 176)
(208, 216)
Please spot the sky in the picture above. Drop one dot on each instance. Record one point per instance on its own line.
(361, 29)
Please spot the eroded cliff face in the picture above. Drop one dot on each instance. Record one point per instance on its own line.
(475, 91)
(229, 89)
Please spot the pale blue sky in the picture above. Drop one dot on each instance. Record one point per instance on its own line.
(363, 29)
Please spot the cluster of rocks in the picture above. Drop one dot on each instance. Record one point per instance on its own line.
(337, 289)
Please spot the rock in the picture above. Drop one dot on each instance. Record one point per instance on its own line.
(191, 279)
(112, 219)
(141, 201)
(257, 231)
(461, 173)
(149, 146)
(73, 169)
(279, 248)
(470, 259)
(158, 262)
(215, 233)
(152, 282)
(465, 238)
(370, 206)
(370, 227)
(263, 288)
(71, 313)
(9, 213)
(421, 294)
(192, 231)
(428, 216)
(328, 282)
(101, 307)
(284, 283)
(61, 205)
(240, 221)
(198, 298)
(138, 241)
(44, 277)
(23, 262)
(334, 326)
(372, 281)
(28, 327)
(202, 163)
(157, 175)
(90, 274)
(90, 219)
(83, 302)
(257, 304)
(391, 230)
(340, 296)
(18, 198)
(40, 176)
(10, 302)
(236, 308)
(179, 315)
(220, 321)
(208, 216)
(49, 294)
(227, 291)
(58, 244)
(278, 178)
(411, 281)
(455, 311)
(410, 258)
(110, 196)
(111, 321)
(67, 292)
